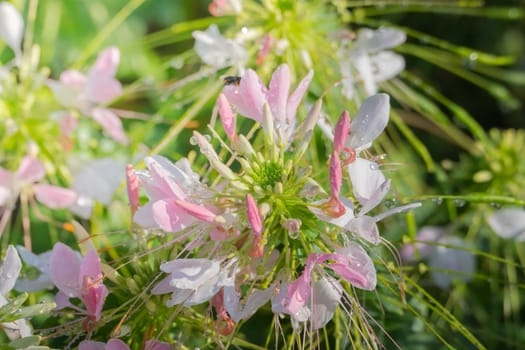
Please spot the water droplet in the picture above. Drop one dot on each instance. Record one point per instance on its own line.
(459, 203)
(208, 138)
(390, 203)
(438, 200)
(495, 205)
(193, 141)
(374, 166)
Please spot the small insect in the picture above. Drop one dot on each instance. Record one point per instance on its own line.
(232, 80)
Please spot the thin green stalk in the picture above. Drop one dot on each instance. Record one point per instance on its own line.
(103, 34)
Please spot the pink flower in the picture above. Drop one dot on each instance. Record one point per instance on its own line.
(173, 189)
(30, 171)
(90, 94)
(132, 185)
(250, 96)
(77, 277)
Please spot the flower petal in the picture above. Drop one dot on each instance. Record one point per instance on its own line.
(509, 223)
(370, 121)
(30, 170)
(111, 124)
(64, 266)
(11, 27)
(9, 270)
(54, 197)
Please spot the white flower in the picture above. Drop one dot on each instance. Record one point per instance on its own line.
(367, 60)
(218, 51)
(509, 223)
(9, 271)
(448, 263)
(41, 263)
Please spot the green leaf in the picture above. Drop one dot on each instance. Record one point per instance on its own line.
(25, 342)
(11, 307)
(33, 310)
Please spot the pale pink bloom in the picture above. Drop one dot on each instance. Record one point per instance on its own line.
(177, 199)
(9, 271)
(319, 307)
(11, 27)
(509, 223)
(413, 251)
(255, 300)
(30, 171)
(254, 219)
(90, 94)
(250, 96)
(218, 51)
(225, 7)
(117, 344)
(194, 281)
(77, 277)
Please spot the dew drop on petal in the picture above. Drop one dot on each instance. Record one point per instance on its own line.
(193, 141)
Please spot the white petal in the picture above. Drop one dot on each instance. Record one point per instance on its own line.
(509, 223)
(99, 179)
(9, 270)
(11, 26)
(327, 293)
(368, 182)
(376, 40)
(386, 65)
(370, 121)
(190, 273)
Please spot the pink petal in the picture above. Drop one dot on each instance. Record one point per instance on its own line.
(357, 268)
(106, 64)
(249, 97)
(30, 170)
(132, 185)
(62, 301)
(342, 129)
(90, 267)
(279, 89)
(254, 218)
(156, 345)
(94, 299)
(64, 266)
(171, 217)
(111, 124)
(227, 116)
(268, 41)
(116, 344)
(298, 294)
(198, 211)
(336, 175)
(91, 345)
(164, 184)
(296, 97)
(144, 216)
(73, 79)
(103, 90)
(54, 197)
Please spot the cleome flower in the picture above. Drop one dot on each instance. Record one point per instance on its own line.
(24, 178)
(260, 234)
(77, 277)
(90, 93)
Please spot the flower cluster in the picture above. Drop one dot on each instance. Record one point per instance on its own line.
(268, 232)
